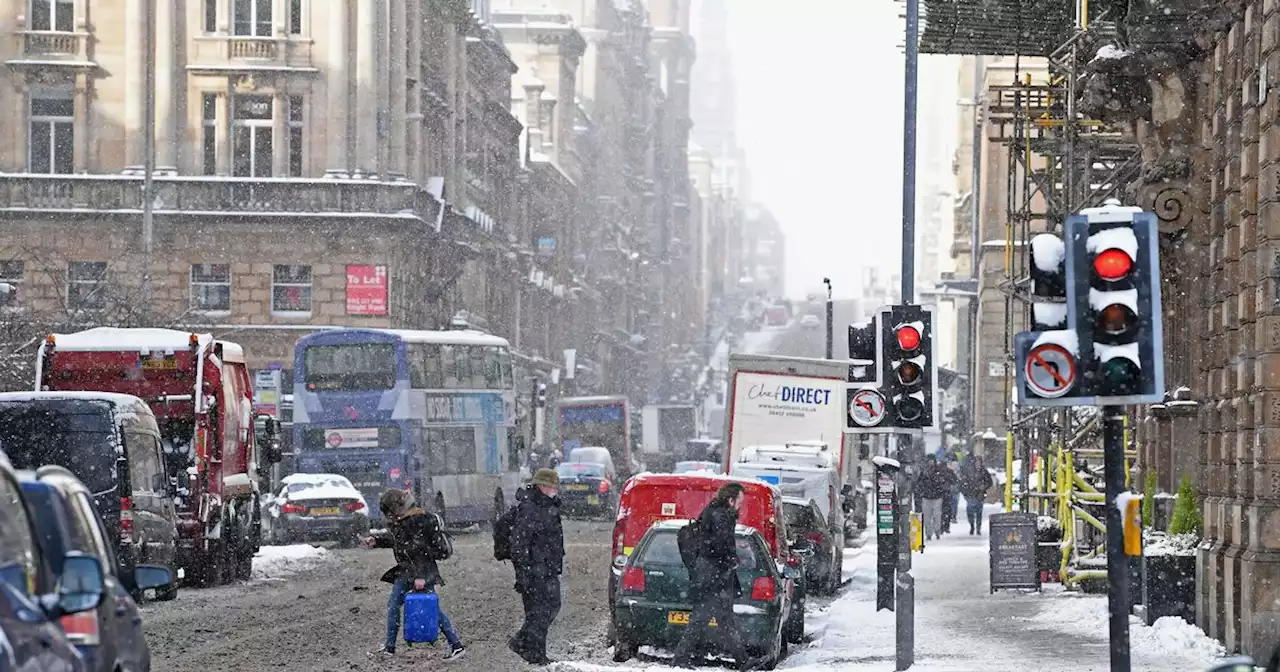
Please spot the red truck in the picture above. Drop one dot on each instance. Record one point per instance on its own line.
(200, 391)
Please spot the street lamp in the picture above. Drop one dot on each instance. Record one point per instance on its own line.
(831, 334)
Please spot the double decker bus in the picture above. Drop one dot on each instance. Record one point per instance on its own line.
(430, 411)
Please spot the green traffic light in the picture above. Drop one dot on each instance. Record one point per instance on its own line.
(1120, 375)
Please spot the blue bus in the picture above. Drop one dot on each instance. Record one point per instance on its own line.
(430, 411)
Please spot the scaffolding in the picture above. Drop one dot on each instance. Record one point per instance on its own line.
(1058, 162)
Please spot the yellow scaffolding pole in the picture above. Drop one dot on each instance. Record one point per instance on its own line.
(1008, 472)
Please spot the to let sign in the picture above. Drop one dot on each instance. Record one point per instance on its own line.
(366, 290)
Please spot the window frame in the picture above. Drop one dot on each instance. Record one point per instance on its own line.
(309, 285)
(256, 130)
(192, 283)
(14, 300)
(49, 126)
(209, 130)
(255, 22)
(295, 17)
(53, 6)
(99, 284)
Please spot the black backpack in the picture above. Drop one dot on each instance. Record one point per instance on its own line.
(441, 543)
(502, 535)
(688, 540)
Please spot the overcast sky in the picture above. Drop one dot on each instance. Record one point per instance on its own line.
(820, 117)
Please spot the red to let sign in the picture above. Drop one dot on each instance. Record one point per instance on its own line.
(366, 290)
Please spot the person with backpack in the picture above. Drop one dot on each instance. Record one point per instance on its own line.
(531, 536)
(709, 549)
(974, 484)
(418, 541)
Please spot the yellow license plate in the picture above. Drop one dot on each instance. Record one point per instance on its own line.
(159, 364)
(578, 487)
(593, 500)
(326, 511)
(682, 618)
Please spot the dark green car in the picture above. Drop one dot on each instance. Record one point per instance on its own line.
(653, 604)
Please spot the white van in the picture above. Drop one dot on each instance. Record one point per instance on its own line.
(799, 454)
(819, 484)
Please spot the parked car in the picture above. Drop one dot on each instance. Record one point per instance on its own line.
(110, 638)
(597, 455)
(586, 488)
(30, 607)
(112, 444)
(653, 604)
(317, 507)
(810, 321)
(807, 526)
(648, 499)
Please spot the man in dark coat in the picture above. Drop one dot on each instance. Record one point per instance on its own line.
(933, 484)
(975, 481)
(537, 551)
(713, 581)
(409, 534)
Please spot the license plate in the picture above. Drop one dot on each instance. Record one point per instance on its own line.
(326, 511)
(578, 487)
(152, 364)
(682, 618)
(593, 500)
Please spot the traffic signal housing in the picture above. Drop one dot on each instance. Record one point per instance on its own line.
(539, 394)
(909, 366)
(1114, 304)
(864, 353)
(1045, 357)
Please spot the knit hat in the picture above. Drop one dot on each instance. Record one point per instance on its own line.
(547, 478)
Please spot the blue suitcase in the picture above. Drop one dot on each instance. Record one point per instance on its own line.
(421, 618)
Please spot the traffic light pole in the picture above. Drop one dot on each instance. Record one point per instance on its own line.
(1117, 564)
(909, 155)
(905, 614)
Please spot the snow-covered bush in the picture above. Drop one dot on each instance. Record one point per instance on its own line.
(1186, 511)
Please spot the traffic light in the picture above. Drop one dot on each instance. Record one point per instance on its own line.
(539, 394)
(1048, 283)
(1045, 357)
(863, 351)
(1114, 305)
(909, 365)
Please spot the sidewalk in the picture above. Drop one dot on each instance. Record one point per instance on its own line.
(961, 627)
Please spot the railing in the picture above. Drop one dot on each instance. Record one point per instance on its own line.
(195, 195)
(260, 48)
(42, 43)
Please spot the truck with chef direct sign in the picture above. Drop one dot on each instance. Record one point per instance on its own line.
(776, 401)
(214, 446)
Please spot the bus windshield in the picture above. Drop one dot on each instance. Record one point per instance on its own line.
(354, 366)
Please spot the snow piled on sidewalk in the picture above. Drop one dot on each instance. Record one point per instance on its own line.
(1169, 639)
(277, 562)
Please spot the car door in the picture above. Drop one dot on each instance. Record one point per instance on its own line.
(149, 484)
(37, 644)
(115, 615)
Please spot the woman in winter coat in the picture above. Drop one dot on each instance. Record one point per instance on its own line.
(975, 481)
(409, 535)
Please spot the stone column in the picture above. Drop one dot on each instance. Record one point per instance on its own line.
(84, 129)
(17, 161)
(166, 48)
(399, 25)
(280, 130)
(336, 85)
(222, 134)
(135, 82)
(533, 118)
(414, 96)
(367, 86)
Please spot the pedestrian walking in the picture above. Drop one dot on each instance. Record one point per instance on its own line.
(713, 581)
(416, 538)
(974, 484)
(952, 501)
(537, 551)
(933, 484)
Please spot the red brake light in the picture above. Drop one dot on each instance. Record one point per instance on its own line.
(126, 520)
(82, 628)
(633, 580)
(908, 338)
(354, 506)
(293, 508)
(604, 487)
(763, 589)
(1112, 264)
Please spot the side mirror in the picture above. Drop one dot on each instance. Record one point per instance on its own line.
(80, 587)
(160, 483)
(149, 577)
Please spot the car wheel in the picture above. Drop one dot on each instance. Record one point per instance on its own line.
(793, 629)
(624, 651)
(776, 651)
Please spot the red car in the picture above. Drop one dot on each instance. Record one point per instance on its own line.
(650, 498)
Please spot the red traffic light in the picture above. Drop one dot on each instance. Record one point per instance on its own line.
(1112, 264)
(908, 338)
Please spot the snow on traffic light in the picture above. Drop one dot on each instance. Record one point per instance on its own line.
(909, 365)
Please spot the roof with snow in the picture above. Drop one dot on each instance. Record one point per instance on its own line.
(143, 341)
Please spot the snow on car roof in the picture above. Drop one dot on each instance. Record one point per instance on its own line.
(108, 339)
(311, 478)
(109, 397)
(782, 466)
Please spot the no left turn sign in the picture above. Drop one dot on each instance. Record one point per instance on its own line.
(1050, 371)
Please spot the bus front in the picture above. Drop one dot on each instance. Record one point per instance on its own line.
(350, 409)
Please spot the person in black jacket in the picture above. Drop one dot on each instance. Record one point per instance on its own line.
(713, 581)
(537, 551)
(409, 534)
(933, 484)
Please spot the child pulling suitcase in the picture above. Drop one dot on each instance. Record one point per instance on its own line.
(418, 541)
